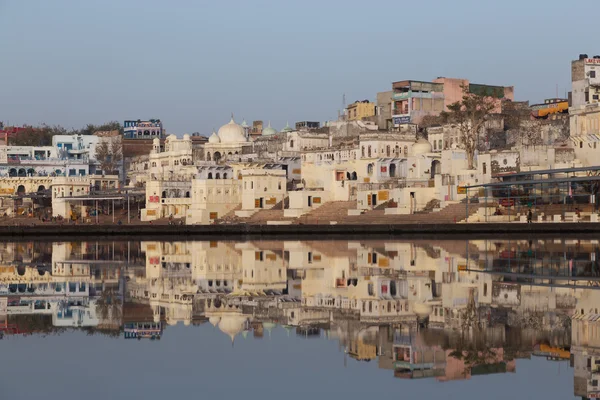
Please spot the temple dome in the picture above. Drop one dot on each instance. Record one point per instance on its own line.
(287, 128)
(187, 137)
(232, 133)
(268, 131)
(421, 146)
(232, 325)
(214, 138)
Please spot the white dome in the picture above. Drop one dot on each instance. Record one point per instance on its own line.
(214, 321)
(232, 325)
(422, 310)
(156, 142)
(187, 137)
(214, 138)
(421, 146)
(171, 137)
(231, 133)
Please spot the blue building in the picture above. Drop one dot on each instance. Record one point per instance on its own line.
(139, 129)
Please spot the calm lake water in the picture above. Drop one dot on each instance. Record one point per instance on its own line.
(475, 319)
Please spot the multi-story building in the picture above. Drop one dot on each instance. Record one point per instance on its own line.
(413, 100)
(584, 113)
(360, 109)
(149, 129)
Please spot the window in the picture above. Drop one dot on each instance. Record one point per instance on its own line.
(369, 151)
(581, 145)
(362, 151)
(440, 144)
(484, 168)
(310, 258)
(405, 150)
(592, 74)
(595, 97)
(370, 169)
(210, 175)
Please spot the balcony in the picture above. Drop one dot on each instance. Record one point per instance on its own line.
(417, 95)
(177, 201)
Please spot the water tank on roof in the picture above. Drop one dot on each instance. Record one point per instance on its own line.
(583, 56)
(597, 57)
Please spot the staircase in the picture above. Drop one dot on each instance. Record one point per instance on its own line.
(328, 212)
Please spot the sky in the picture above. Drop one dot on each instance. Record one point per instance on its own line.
(200, 362)
(192, 63)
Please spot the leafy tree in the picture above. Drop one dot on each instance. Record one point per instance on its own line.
(470, 115)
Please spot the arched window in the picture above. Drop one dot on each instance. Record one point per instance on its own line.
(440, 144)
(251, 184)
(370, 169)
(210, 175)
(291, 144)
(217, 176)
(369, 151)
(405, 150)
(362, 151)
(387, 151)
(164, 194)
(354, 177)
(187, 194)
(279, 185)
(434, 145)
(208, 157)
(397, 149)
(225, 175)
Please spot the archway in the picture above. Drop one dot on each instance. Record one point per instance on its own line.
(12, 172)
(208, 157)
(30, 172)
(21, 190)
(217, 156)
(436, 168)
(22, 172)
(164, 194)
(41, 188)
(354, 177)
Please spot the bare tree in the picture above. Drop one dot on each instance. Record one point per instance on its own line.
(470, 115)
(109, 153)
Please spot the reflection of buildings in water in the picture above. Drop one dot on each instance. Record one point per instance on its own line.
(449, 310)
(65, 290)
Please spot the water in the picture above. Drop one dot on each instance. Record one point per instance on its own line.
(349, 319)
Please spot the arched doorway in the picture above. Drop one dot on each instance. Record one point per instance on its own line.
(12, 172)
(41, 188)
(217, 156)
(21, 190)
(30, 172)
(354, 176)
(22, 172)
(436, 168)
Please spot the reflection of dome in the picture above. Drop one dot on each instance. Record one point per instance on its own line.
(421, 146)
(214, 138)
(268, 131)
(214, 321)
(186, 322)
(422, 310)
(269, 326)
(287, 128)
(231, 133)
(231, 325)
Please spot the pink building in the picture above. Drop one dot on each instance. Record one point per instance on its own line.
(413, 100)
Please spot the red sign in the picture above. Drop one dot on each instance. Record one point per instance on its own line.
(383, 169)
(592, 60)
(154, 260)
(153, 199)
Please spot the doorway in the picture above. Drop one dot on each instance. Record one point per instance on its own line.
(310, 201)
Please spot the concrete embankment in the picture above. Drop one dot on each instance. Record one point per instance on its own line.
(274, 232)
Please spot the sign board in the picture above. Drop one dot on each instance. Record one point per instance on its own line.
(151, 212)
(213, 215)
(405, 119)
(271, 201)
(7, 191)
(592, 61)
(383, 195)
(316, 200)
(461, 190)
(296, 171)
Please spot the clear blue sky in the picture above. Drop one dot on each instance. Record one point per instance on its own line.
(193, 62)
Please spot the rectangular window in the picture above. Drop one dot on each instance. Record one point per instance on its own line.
(595, 97)
(592, 74)
(310, 257)
(72, 172)
(82, 172)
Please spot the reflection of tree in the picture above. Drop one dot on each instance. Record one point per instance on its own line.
(108, 307)
(471, 346)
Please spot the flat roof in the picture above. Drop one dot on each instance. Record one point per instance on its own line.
(552, 171)
(538, 181)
